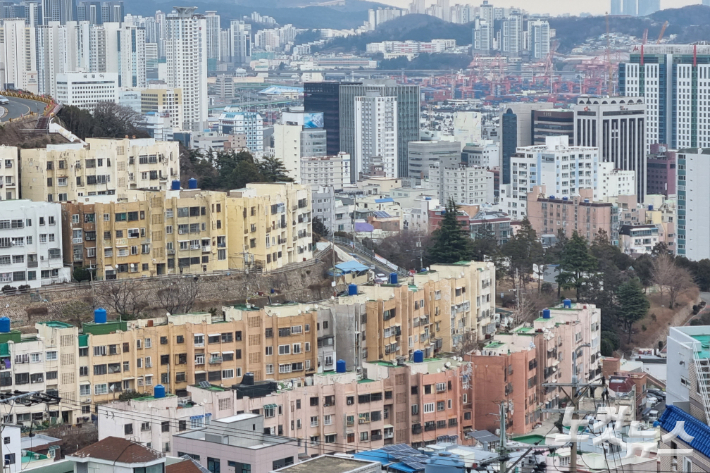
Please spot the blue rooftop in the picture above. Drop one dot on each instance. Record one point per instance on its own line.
(381, 214)
(693, 427)
(351, 266)
(382, 201)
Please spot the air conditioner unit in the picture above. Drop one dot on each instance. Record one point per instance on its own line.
(361, 421)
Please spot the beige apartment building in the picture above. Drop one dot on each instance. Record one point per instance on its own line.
(9, 164)
(189, 231)
(68, 172)
(165, 102)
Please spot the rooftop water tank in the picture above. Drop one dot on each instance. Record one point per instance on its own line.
(159, 391)
(552, 197)
(418, 356)
(650, 207)
(394, 278)
(545, 313)
(100, 316)
(192, 183)
(586, 201)
(175, 185)
(567, 304)
(565, 198)
(4, 324)
(352, 289)
(340, 366)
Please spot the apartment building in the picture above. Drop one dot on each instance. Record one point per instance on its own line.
(164, 102)
(9, 165)
(331, 171)
(464, 184)
(269, 225)
(31, 244)
(561, 344)
(46, 361)
(167, 232)
(67, 172)
(343, 411)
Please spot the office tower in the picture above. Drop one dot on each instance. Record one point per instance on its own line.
(213, 35)
(539, 37)
(86, 89)
(376, 132)
(89, 11)
(423, 154)
(671, 79)
(58, 10)
(51, 56)
(325, 97)
(552, 122)
(240, 42)
(615, 125)
(407, 116)
(185, 46)
(693, 203)
(515, 129)
(616, 8)
(512, 34)
(18, 56)
(112, 12)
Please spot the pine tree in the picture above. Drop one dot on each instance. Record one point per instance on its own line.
(577, 260)
(633, 304)
(450, 242)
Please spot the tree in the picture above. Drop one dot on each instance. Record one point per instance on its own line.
(523, 251)
(405, 249)
(484, 243)
(663, 272)
(177, 296)
(633, 305)
(577, 261)
(126, 297)
(449, 242)
(106, 120)
(273, 170)
(76, 311)
(84, 274)
(680, 283)
(320, 231)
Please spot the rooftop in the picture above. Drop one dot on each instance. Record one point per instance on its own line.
(119, 450)
(327, 464)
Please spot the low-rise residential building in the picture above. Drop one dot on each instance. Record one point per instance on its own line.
(579, 213)
(224, 442)
(663, 213)
(9, 179)
(488, 221)
(67, 172)
(149, 420)
(115, 455)
(323, 205)
(638, 239)
(615, 182)
(331, 171)
(464, 184)
(31, 244)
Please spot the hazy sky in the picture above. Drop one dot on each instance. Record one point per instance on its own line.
(554, 7)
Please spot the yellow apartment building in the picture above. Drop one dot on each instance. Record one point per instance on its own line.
(188, 231)
(269, 225)
(67, 172)
(277, 342)
(164, 102)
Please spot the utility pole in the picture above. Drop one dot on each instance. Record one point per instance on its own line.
(502, 450)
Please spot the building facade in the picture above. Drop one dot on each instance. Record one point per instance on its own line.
(85, 90)
(422, 154)
(249, 124)
(693, 204)
(329, 171)
(661, 171)
(376, 134)
(9, 167)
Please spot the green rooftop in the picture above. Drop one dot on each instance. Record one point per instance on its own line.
(244, 307)
(104, 329)
(11, 336)
(211, 388)
(704, 340)
(462, 263)
(524, 330)
(494, 344)
(531, 439)
(57, 324)
(31, 456)
(365, 380)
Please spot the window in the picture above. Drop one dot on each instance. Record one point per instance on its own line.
(51, 355)
(270, 351)
(428, 407)
(284, 349)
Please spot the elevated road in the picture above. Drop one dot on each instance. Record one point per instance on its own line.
(18, 107)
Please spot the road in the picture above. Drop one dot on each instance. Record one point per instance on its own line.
(18, 107)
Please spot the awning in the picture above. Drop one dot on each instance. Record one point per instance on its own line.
(270, 406)
(389, 426)
(84, 383)
(215, 335)
(198, 334)
(227, 352)
(108, 268)
(200, 372)
(130, 377)
(551, 348)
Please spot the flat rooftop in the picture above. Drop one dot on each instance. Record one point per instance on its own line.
(237, 418)
(704, 345)
(326, 464)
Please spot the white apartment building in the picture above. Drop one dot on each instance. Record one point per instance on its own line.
(465, 184)
(326, 171)
(239, 43)
(9, 164)
(376, 133)
(485, 153)
(51, 56)
(213, 34)
(67, 172)
(18, 55)
(539, 38)
(693, 166)
(131, 57)
(85, 90)
(31, 244)
(561, 168)
(186, 60)
(615, 182)
(250, 124)
(287, 147)
(134, 420)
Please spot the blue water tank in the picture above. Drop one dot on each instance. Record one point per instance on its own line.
(4, 324)
(394, 278)
(586, 201)
(340, 366)
(175, 185)
(552, 197)
(159, 391)
(444, 462)
(100, 316)
(352, 289)
(650, 207)
(565, 198)
(418, 356)
(567, 304)
(192, 183)
(545, 313)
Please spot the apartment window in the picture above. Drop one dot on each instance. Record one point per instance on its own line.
(428, 407)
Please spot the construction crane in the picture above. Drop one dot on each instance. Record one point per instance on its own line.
(645, 36)
(663, 30)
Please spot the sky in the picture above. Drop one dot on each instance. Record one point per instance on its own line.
(553, 7)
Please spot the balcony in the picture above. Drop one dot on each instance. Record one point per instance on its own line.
(374, 437)
(171, 251)
(215, 359)
(416, 429)
(199, 360)
(206, 249)
(32, 264)
(77, 241)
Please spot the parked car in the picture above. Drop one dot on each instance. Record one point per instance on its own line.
(4, 100)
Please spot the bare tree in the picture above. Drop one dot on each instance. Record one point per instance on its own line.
(177, 296)
(682, 282)
(467, 344)
(76, 311)
(668, 276)
(127, 297)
